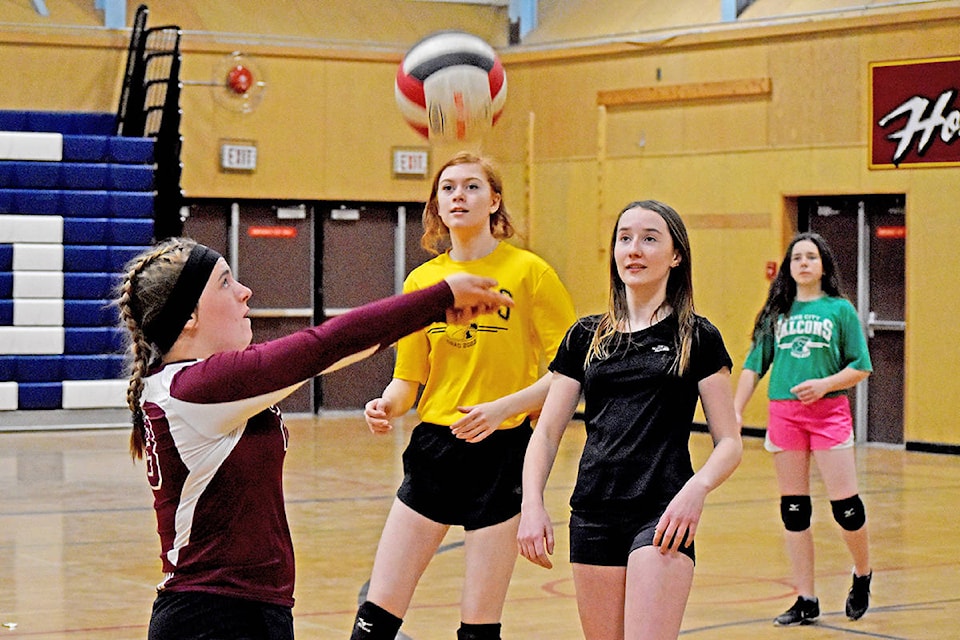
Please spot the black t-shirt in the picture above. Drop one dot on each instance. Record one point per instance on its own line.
(638, 414)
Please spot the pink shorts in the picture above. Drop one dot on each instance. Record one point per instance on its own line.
(819, 426)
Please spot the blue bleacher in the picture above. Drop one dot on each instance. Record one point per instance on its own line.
(89, 286)
(79, 258)
(77, 203)
(89, 313)
(93, 340)
(107, 232)
(71, 122)
(65, 122)
(61, 367)
(75, 176)
(39, 395)
(82, 148)
(103, 191)
(76, 313)
(87, 137)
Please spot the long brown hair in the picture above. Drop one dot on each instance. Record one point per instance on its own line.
(436, 236)
(679, 295)
(783, 289)
(147, 283)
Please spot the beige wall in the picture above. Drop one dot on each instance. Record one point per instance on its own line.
(328, 122)
(729, 165)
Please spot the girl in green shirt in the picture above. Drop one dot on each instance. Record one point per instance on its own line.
(809, 336)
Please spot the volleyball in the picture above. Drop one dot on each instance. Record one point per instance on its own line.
(451, 87)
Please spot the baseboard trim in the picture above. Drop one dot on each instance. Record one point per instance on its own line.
(934, 447)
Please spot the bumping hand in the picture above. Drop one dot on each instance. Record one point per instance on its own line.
(473, 296)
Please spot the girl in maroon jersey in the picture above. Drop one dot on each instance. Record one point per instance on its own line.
(206, 423)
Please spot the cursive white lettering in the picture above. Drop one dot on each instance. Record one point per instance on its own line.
(920, 124)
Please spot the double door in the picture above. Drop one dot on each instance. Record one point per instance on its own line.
(366, 251)
(270, 248)
(868, 237)
(308, 262)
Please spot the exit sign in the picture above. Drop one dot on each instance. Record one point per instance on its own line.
(410, 162)
(238, 156)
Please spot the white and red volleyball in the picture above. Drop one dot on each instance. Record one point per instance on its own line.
(451, 87)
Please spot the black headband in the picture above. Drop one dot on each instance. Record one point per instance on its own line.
(165, 327)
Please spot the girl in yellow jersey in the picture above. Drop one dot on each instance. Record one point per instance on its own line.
(480, 382)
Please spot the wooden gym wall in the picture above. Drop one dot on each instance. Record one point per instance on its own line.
(578, 139)
(789, 118)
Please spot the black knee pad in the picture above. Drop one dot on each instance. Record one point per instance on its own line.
(849, 512)
(375, 623)
(795, 511)
(478, 631)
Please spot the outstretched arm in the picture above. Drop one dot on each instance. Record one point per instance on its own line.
(264, 368)
(473, 296)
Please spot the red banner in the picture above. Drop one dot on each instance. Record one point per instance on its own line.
(914, 118)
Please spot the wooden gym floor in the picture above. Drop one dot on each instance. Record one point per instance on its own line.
(78, 548)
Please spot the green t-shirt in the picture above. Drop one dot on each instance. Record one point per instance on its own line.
(817, 339)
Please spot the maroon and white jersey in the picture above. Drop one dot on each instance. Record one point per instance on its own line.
(215, 445)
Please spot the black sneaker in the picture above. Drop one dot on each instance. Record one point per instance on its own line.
(803, 611)
(858, 599)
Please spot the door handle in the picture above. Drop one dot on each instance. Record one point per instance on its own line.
(873, 324)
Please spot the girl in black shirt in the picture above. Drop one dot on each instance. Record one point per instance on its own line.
(641, 367)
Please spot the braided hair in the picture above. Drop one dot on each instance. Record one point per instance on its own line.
(147, 283)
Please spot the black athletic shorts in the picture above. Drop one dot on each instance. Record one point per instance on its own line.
(608, 540)
(192, 615)
(455, 482)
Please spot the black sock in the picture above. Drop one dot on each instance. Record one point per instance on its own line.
(375, 623)
(478, 631)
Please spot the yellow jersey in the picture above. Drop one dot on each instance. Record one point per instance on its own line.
(497, 353)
